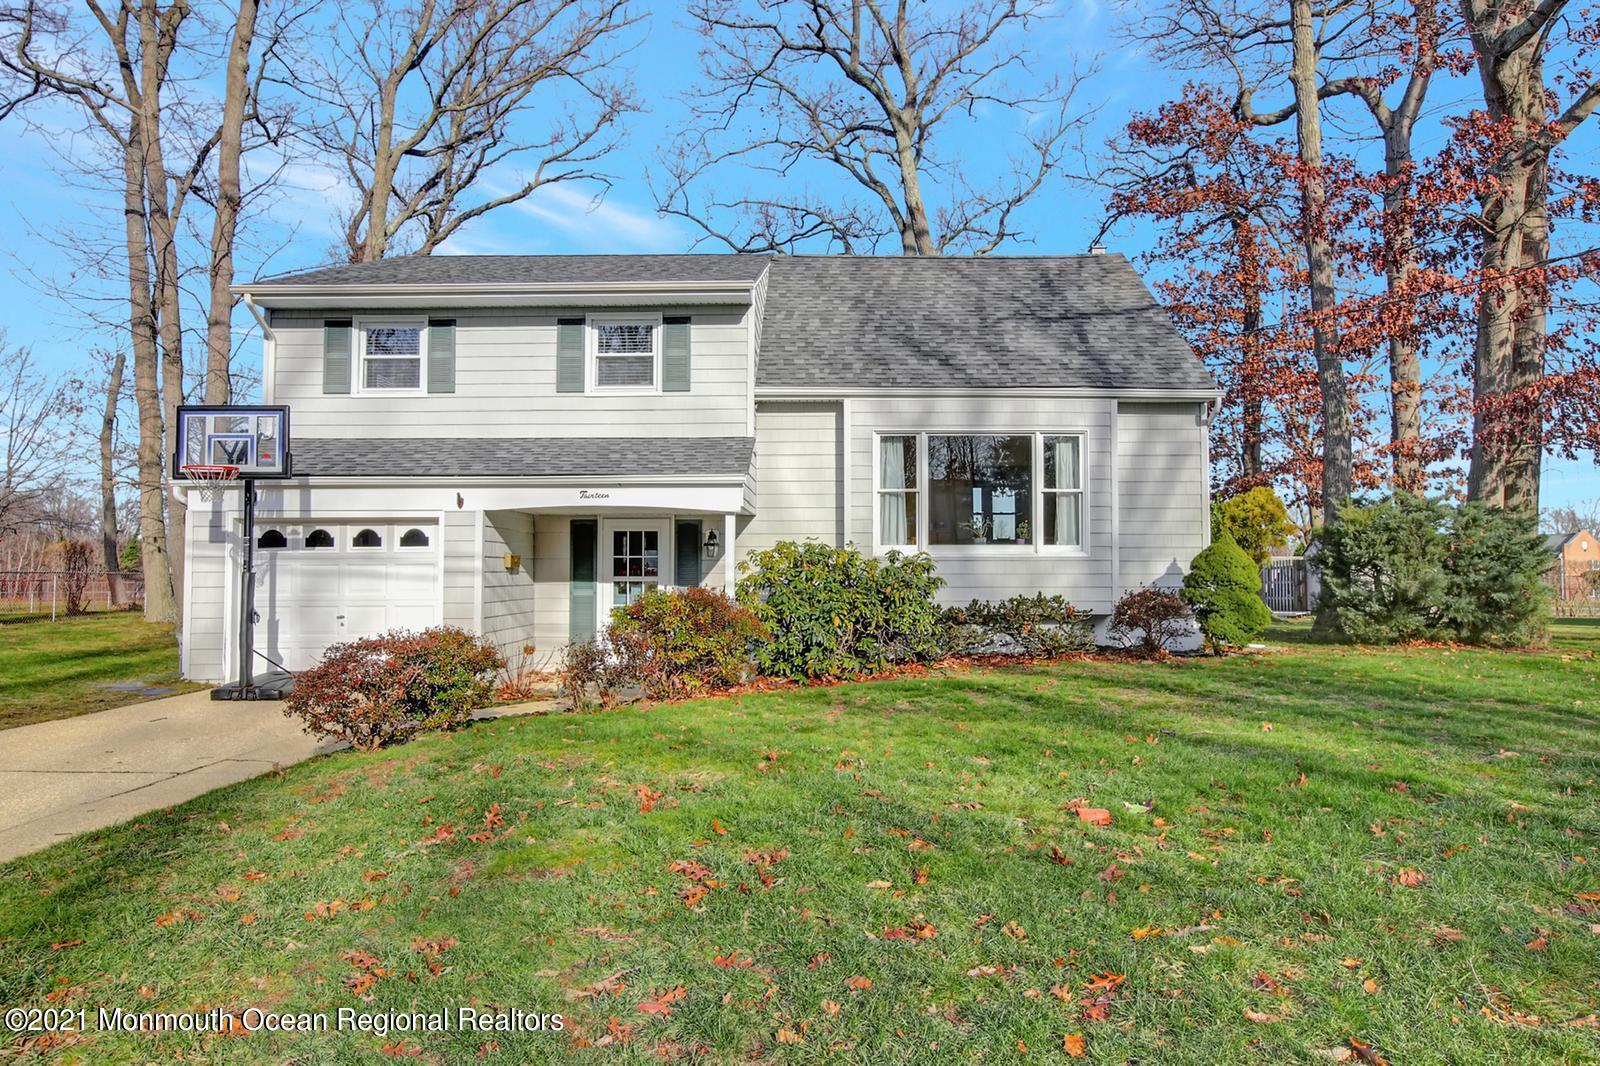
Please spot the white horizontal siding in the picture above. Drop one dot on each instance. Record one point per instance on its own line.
(508, 595)
(461, 560)
(1084, 580)
(210, 538)
(552, 572)
(799, 466)
(1164, 519)
(506, 383)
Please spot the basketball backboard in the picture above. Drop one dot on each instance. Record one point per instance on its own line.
(255, 440)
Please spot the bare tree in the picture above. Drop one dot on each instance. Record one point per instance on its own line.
(108, 468)
(1511, 39)
(424, 108)
(236, 99)
(34, 452)
(867, 89)
(104, 72)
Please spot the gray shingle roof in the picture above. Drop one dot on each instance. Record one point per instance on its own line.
(1085, 321)
(609, 458)
(1554, 542)
(529, 269)
(1072, 321)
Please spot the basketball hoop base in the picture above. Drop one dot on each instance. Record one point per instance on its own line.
(271, 686)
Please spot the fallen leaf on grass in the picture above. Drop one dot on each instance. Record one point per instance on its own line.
(786, 1035)
(858, 984)
(660, 1006)
(1095, 815)
(1410, 877)
(831, 1008)
(1145, 931)
(1259, 1016)
(1075, 1046)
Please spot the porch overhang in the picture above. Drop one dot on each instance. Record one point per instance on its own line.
(378, 495)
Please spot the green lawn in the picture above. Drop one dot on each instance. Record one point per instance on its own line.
(1394, 847)
(59, 669)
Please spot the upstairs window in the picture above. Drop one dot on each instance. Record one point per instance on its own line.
(626, 354)
(391, 356)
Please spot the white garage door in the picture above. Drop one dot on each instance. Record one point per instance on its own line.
(322, 583)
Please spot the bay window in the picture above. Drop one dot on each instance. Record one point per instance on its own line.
(981, 491)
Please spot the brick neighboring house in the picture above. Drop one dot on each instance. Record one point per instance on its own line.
(1575, 574)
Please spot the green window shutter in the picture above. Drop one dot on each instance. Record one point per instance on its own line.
(585, 534)
(569, 355)
(336, 355)
(688, 562)
(674, 355)
(441, 355)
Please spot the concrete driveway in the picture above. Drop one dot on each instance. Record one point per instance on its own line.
(61, 778)
(58, 779)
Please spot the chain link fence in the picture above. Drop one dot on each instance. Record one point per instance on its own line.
(45, 591)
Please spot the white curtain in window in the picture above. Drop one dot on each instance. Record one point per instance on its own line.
(1065, 462)
(891, 504)
(1067, 519)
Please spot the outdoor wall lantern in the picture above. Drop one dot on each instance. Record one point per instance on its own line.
(512, 562)
(711, 544)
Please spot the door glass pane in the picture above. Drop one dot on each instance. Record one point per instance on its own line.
(650, 540)
(980, 489)
(619, 594)
(652, 564)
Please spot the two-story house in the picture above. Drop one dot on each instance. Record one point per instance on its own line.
(516, 445)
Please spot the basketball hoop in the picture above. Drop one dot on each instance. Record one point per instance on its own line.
(211, 476)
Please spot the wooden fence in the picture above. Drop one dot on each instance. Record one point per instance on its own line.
(39, 591)
(1287, 585)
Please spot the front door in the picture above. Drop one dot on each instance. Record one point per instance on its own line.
(633, 551)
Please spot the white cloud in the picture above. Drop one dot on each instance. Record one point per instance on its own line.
(607, 225)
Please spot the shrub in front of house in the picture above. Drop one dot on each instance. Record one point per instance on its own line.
(378, 690)
(1409, 568)
(590, 676)
(1039, 626)
(679, 643)
(1223, 589)
(1152, 620)
(833, 612)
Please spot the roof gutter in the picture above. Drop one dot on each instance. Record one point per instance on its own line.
(738, 291)
(813, 393)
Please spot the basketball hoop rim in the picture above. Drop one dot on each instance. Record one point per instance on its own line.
(209, 472)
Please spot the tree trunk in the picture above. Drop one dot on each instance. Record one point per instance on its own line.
(1507, 439)
(160, 605)
(375, 244)
(154, 50)
(108, 481)
(1405, 369)
(1250, 356)
(1336, 457)
(916, 236)
(219, 320)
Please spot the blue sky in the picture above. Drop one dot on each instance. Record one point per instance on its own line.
(297, 228)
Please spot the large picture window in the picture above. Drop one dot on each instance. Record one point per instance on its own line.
(391, 356)
(980, 489)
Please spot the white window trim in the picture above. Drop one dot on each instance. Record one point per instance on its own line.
(591, 348)
(1041, 490)
(919, 446)
(358, 383)
(1035, 545)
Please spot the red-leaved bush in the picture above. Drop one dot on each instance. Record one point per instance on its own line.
(375, 691)
(1150, 619)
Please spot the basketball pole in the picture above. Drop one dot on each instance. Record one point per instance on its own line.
(246, 689)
